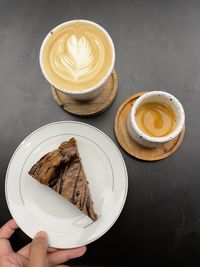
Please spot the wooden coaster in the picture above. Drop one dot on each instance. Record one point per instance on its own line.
(92, 107)
(132, 147)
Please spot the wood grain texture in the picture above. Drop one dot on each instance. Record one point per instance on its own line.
(89, 108)
(132, 147)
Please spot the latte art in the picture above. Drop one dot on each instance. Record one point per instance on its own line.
(74, 59)
(77, 56)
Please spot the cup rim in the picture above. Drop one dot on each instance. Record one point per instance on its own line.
(102, 81)
(165, 138)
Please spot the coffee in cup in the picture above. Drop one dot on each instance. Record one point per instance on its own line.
(77, 57)
(155, 118)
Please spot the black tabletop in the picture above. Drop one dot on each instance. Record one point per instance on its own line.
(157, 47)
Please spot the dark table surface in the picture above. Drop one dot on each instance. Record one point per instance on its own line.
(157, 47)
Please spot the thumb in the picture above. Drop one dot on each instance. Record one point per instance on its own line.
(38, 251)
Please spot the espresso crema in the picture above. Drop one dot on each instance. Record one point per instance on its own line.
(155, 119)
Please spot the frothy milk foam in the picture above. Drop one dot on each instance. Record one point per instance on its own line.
(76, 56)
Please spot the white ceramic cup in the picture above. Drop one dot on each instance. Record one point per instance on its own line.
(88, 93)
(158, 96)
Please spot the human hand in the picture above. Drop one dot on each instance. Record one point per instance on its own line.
(35, 254)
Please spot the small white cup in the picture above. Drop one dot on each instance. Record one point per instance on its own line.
(158, 96)
(88, 93)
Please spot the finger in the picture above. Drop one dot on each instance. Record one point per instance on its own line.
(5, 233)
(25, 250)
(8, 229)
(61, 256)
(38, 251)
(5, 247)
(50, 250)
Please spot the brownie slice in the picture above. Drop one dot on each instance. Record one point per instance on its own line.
(63, 172)
(46, 167)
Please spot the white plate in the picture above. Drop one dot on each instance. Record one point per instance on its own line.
(36, 207)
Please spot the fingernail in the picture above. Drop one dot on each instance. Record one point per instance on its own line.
(41, 234)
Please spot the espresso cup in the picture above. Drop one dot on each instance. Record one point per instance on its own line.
(77, 57)
(155, 112)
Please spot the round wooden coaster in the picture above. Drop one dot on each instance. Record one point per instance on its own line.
(92, 107)
(132, 147)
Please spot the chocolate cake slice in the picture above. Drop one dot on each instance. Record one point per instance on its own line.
(63, 172)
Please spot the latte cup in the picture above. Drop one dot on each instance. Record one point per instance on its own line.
(160, 97)
(77, 57)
